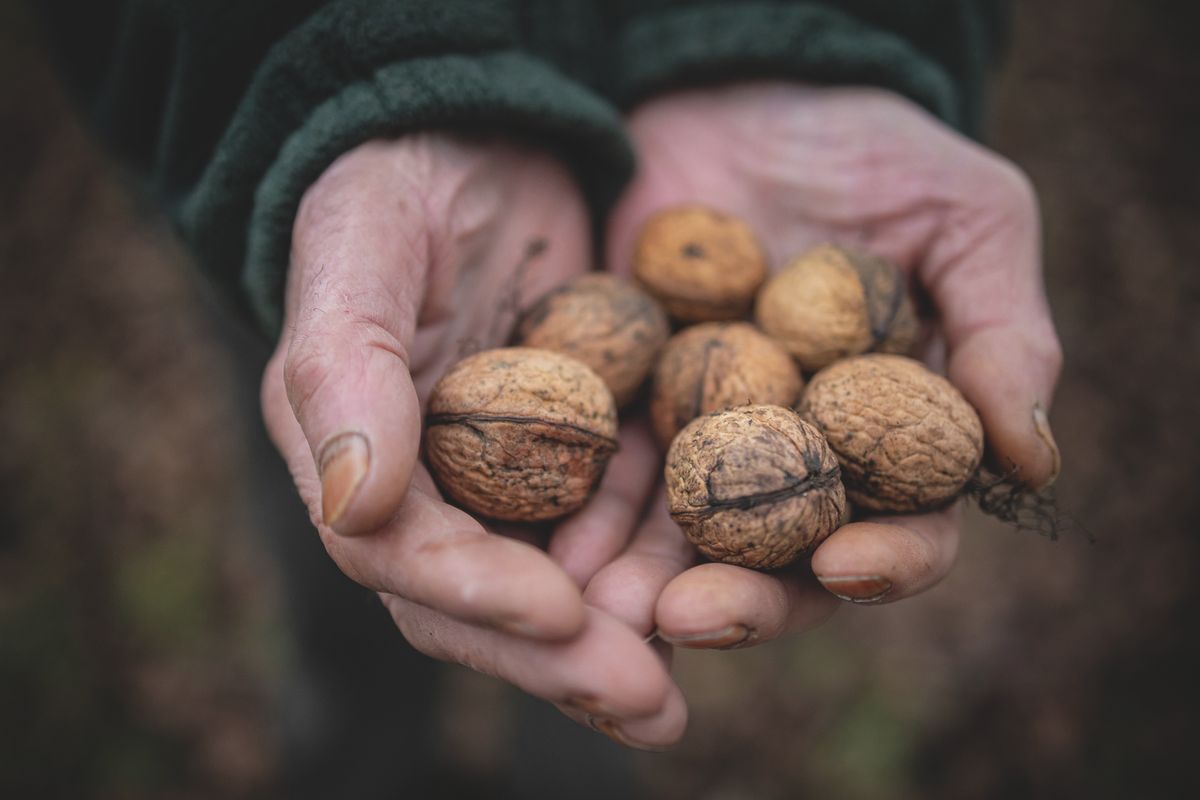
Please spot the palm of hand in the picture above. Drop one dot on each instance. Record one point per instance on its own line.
(804, 166)
(406, 256)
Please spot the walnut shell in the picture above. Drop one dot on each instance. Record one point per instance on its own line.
(754, 486)
(907, 439)
(833, 302)
(607, 323)
(520, 434)
(718, 365)
(701, 264)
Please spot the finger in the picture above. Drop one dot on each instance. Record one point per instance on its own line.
(629, 587)
(654, 733)
(721, 606)
(436, 555)
(441, 557)
(984, 274)
(355, 286)
(606, 676)
(593, 537)
(888, 558)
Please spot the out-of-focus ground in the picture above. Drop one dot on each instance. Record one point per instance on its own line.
(142, 636)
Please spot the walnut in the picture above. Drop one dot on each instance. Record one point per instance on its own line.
(607, 323)
(718, 365)
(520, 434)
(701, 264)
(754, 486)
(834, 302)
(907, 439)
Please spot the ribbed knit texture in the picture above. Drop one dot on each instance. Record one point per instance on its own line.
(232, 108)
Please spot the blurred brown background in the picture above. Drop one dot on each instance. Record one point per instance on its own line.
(145, 640)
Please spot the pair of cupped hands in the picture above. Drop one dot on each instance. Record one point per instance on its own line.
(403, 253)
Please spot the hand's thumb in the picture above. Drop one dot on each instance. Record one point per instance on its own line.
(985, 277)
(354, 290)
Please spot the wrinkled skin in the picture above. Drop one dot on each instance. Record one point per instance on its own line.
(864, 168)
(400, 251)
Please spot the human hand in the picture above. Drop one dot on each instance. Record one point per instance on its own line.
(863, 167)
(405, 254)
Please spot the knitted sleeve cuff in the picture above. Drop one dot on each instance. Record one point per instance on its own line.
(699, 45)
(296, 120)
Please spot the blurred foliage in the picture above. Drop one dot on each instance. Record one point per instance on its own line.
(132, 656)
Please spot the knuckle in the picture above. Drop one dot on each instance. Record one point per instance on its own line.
(306, 370)
(271, 388)
(373, 331)
(1013, 192)
(1054, 350)
(1050, 352)
(338, 351)
(1055, 360)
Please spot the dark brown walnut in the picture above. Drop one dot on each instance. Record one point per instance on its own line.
(907, 439)
(604, 321)
(718, 365)
(754, 486)
(520, 434)
(833, 302)
(701, 264)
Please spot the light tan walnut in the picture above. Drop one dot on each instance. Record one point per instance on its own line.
(833, 302)
(701, 264)
(604, 321)
(718, 365)
(520, 434)
(907, 439)
(754, 486)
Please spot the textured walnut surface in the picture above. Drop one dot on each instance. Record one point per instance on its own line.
(907, 439)
(520, 433)
(833, 302)
(607, 323)
(701, 264)
(754, 486)
(718, 365)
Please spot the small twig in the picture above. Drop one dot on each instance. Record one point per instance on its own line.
(509, 308)
(1005, 499)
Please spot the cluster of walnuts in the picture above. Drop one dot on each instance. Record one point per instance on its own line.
(759, 463)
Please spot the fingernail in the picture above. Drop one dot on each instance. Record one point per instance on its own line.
(344, 462)
(589, 706)
(858, 588)
(1041, 424)
(614, 732)
(725, 639)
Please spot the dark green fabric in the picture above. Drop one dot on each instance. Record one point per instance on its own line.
(231, 108)
(936, 52)
(809, 42)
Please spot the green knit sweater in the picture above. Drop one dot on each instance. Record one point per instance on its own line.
(231, 108)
